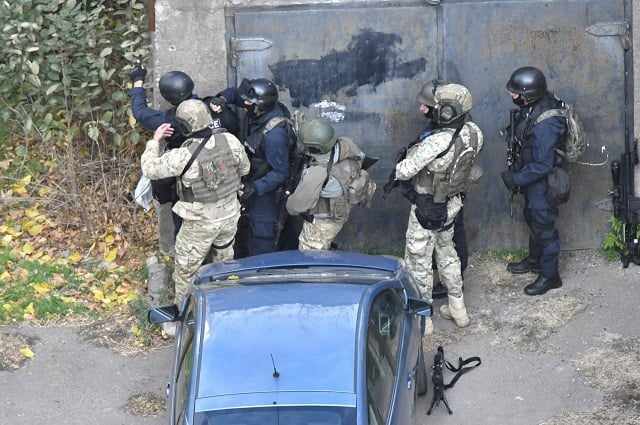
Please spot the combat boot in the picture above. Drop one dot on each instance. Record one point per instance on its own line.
(541, 285)
(455, 311)
(525, 266)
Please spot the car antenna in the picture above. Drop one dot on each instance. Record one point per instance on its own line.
(275, 371)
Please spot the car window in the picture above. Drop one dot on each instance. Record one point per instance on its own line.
(383, 335)
(185, 363)
(287, 415)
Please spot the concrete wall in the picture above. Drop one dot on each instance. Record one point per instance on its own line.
(190, 36)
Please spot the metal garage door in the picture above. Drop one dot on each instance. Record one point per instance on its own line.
(361, 66)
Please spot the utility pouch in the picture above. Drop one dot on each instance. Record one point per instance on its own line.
(430, 215)
(558, 186)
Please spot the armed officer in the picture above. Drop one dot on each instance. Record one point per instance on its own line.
(436, 201)
(333, 181)
(175, 87)
(208, 167)
(269, 140)
(538, 155)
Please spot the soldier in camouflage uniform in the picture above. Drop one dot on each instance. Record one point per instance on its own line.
(434, 205)
(331, 184)
(209, 165)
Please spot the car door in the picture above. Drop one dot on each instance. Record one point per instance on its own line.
(179, 394)
(386, 370)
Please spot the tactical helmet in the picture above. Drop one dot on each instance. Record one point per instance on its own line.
(529, 82)
(259, 91)
(176, 86)
(425, 95)
(317, 136)
(193, 115)
(453, 101)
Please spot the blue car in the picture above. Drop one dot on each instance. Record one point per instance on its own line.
(298, 338)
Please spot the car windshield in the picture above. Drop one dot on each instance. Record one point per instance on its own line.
(307, 415)
(306, 274)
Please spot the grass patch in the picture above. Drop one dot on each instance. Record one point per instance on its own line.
(36, 290)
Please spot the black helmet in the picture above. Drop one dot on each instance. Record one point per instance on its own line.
(259, 91)
(529, 82)
(176, 86)
(426, 93)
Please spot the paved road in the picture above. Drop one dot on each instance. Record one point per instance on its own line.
(531, 349)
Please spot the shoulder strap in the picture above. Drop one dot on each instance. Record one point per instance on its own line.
(330, 165)
(196, 153)
(559, 112)
(453, 140)
(460, 369)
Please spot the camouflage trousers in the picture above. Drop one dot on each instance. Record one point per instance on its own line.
(193, 243)
(320, 233)
(420, 246)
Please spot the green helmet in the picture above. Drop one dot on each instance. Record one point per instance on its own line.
(193, 115)
(317, 136)
(453, 100)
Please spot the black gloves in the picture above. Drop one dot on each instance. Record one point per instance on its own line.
(248, 192)
(138, 73)
(218, 101)
(507, 178)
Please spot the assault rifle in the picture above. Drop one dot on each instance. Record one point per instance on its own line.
(626, 206)
(438, 378)
(438, 382)
(295, 173)
(513, 154)
(392, 183)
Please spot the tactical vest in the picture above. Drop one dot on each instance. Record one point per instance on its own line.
(218, 175)
(455, 178)
(524, 130)
(253, 145)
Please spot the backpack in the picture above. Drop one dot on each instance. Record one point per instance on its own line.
(575, 143)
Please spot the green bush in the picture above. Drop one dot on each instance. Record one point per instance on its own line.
(63, 93)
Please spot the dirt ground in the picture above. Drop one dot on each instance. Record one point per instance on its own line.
(568, 357)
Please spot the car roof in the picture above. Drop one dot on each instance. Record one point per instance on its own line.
(271, 340)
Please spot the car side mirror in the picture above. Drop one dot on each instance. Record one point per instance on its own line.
(163, 314)
(420, 307)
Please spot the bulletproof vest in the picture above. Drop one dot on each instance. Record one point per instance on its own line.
(524, 129)
(253, 145)
(455, 178)
(218, 173)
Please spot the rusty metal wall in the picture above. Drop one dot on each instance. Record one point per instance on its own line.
(361, 66)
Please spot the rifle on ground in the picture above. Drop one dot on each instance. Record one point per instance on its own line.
(626, 206)
(438, 382)
(513, 154)
(438, 378)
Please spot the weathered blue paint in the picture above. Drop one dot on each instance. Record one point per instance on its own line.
(362, 65)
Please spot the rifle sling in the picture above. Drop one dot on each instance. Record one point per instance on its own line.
(205, 135)
(330, 165)
(460, 369)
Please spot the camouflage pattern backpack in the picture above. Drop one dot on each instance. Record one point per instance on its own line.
(575, 143)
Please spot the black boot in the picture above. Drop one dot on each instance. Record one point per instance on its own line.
(541, 285)
(439, 291)
(525, 266)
